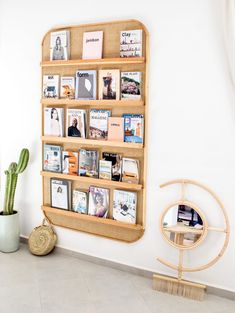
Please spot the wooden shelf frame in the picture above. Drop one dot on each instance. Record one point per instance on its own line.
(94, 181)
(105, 61)
(108, 227)
(92, 103)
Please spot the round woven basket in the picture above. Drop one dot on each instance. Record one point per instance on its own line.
(42, 240)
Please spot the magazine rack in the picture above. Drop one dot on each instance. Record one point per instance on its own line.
(106, 227)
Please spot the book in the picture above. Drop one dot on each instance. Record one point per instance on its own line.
(54, 122)
(50, 86)
(92, 45)
(124, 206)
(131, 85)
(131, 43)
(79, 203)
(130, 170)
(60, 45)
(99, 124)
(109, 84)
(67, 87)
(76, 123)
(133, 128)
(116, 129)
(98, 202)
(115, 158)
(85, 85)
(52, 158)
(60, 194)
(105, 169)
(88, 163)
(70, 162)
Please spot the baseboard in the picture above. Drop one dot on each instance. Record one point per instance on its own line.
(130, 269)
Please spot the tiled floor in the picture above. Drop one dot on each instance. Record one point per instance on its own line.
(64, 284)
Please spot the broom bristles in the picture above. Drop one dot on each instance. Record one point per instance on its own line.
(177, 287)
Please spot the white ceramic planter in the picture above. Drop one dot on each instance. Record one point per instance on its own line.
(9, 232)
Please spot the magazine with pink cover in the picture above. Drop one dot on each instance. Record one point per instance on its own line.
(116, 129)
(92, 45)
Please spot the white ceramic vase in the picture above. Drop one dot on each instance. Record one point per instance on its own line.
(9, 232)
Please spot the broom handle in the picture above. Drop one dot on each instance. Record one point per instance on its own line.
(181, 251)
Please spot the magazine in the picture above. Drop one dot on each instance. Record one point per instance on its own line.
(67, 87)
(52, 158)
(92, 45)
(124, 206)
(79, 202)
(116, 129)
(76, 123)
(130, 170)
(88, 163)
(86, 85)
(133, 128)
(50, 86)
(131, 85)
(60, 45)
(105, 169)
(131, 43)
(116, 164)
(54, 122)
(60, 194)
(70, 162)
(109, 84)
(99, 124)
(98, 202)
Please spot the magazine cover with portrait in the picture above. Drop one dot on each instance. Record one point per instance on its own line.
(76, 123)
(54, 122)
(60, 194)
(98, 202)
(60, 45)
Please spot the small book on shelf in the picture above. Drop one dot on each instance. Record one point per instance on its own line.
(98, 201)
(133, 128)
(116, 129)
(76, 123)
(130, 170)
(92, 45)
(52, 158)
(109, 84)
(50, 86)
(54, 122)
(60, 45)
(70, 162)
(67, 87)
(116, 160)
(99, 124)
(79, 203)
(124, 206)
(131, 43)
(88, 163)
(130, 85)
(105, 169)
(85, 85)
(60, 194)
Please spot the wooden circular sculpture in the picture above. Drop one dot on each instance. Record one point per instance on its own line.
(180, 230)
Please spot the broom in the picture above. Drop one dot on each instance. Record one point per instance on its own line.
(178, 286)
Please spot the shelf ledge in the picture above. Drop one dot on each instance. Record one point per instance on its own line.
(101, 103)
(94, 181)
(111, 61)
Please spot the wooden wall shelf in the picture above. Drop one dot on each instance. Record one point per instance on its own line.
(97, 103)
(106, 61)
(106, 227)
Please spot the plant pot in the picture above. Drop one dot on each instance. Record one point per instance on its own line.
(9, 232)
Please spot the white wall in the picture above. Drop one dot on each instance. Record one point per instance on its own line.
(191, 110)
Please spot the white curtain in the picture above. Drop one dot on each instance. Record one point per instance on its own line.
(229, 31)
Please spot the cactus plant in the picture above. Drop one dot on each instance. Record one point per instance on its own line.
(11, 181)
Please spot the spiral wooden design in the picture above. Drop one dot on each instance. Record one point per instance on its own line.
(42, 240)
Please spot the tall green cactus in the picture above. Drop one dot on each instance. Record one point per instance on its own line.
(11, 180)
